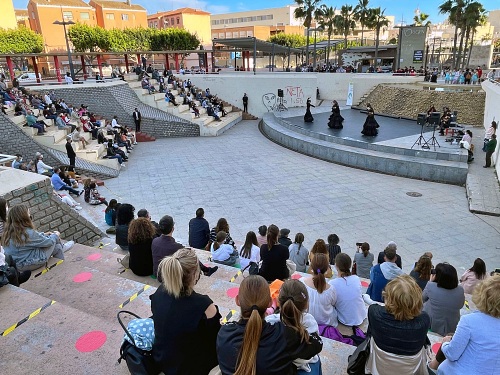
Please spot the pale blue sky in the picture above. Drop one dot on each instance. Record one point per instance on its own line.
(399, 9)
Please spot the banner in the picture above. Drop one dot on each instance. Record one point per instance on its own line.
(350, 94)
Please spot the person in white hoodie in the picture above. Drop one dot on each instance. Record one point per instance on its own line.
(381, 274)
(223, 253)
(294, 302)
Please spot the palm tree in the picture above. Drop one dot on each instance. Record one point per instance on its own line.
(326, 18)
(421, 20)
(362, 13)
(377, 20)
(345, 21)
(455, 10)
(474, 16)
(305, 10)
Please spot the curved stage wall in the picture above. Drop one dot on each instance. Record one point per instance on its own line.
(403, 162)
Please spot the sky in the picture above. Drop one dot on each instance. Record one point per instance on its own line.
(400, 9)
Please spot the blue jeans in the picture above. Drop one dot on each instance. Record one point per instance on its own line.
(38, 126)
(120, 159)
(70, 189)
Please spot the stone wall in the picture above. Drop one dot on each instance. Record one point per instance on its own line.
(117, 98)
(408, 103)
(49, 213)
(13, 140)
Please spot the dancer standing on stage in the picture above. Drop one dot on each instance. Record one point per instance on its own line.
(371, 125)
(308, 117)
(335, 120)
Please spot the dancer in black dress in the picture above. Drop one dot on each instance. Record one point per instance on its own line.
(308, 117)
(335, 120)
(371, 125)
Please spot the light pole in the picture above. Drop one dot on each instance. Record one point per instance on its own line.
(64, 23)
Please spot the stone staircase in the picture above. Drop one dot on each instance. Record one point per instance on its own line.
(207, 124)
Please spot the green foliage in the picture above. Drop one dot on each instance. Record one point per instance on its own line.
(89, 39)
(20, 40)
(345, 21)
(305, 10)
(421, 20)
(288, 40)
(173, 39)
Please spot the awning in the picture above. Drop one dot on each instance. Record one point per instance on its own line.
(250, 43)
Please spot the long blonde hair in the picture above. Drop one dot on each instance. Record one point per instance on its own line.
(18, 220)
(254, 298)
(179, 272)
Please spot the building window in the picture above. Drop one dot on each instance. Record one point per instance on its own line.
(33, 15)
(243, 34)
(124, 17)
(172, 22)
(235, 34)
(221, 35)
(68, 15)
(178, 20)
(110, 16)
(249, 33)
(228, 35)
(84, 15)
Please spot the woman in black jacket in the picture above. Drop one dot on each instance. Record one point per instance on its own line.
(273, 256)
(140, 236)
(254, 346)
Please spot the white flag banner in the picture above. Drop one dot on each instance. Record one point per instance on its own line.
(350, 94)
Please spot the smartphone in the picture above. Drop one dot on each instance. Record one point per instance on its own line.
(433, 271)
(358, 244)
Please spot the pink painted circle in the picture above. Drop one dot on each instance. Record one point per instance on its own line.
(296, 276)
(436, 347)
(95, 256)
(90, 341)
(365, 284)
(82, 277)
(232, 292)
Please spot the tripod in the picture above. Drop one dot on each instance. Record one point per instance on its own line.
(421, 140)
(281, 107)
(433, 140)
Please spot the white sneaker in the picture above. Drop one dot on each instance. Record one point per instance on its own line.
(78, 208)
(123, 165)
(135, 143)
(68, 245)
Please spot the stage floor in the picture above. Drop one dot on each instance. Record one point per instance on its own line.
(390, 128)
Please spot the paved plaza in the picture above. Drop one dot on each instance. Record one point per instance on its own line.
(251, 181)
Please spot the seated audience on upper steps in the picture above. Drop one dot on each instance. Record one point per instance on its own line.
(223, 253)
(249, 251)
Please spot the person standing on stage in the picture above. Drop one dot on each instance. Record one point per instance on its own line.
(308, 117)
(137, 119)
(371, 125)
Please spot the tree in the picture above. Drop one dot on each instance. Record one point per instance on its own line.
(345, 21)
(421, 20)
(288, 40)
(378, 20)
(362, 14)
(20, 40)
(305, 10)
(86, 38)
(474, 16)
(326, 17)
(455, 10)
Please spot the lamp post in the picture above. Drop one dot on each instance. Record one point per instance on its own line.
(70, 61)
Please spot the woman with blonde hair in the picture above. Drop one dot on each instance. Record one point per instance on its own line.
(398, 330)
(186, 323)
(320, 247)
(29, 248)
(475, 346)
(141, 233)
(322, 296)
(253, 346)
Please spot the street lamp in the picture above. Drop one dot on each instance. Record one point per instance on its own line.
(64, 23)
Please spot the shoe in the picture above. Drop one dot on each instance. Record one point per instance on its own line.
(484, 166)
(81, 192)
(78, 208)
(68, 245)
(211, 271)
(135, 143)
(123, 165)
(24, 276)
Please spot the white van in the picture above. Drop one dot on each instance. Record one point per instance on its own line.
(28, 77)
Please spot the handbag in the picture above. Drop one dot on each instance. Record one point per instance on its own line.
(357, 360)
(139, 361)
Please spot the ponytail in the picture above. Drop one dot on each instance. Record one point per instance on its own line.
(179, 272)
(319, 265)
(247, 358)
(319, 281)
(171, 275)
(291, 316)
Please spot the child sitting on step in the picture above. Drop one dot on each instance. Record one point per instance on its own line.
(92, 196)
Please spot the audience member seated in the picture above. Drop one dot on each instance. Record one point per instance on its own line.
(92, 195)
(298, 253)
(350, 307)
(141, 233)
(222, 225)
(473, 276)
(422, 271)
(274, 256)
(262, 236)
(110, 213)
(66, 199)
(29, 248)
(199, 230)
(11, 274)
(322, 296)
(41, 167)
(443, 299)
(4, 207)
(59, 184)
(223, 253)
(319, 247)
(165, 245)
(145, 213)
(249, 251)
(211, 111)
(32, 121)
(283, 237)
(20, 164)
(124, 215)
(381, 274)
(185, 322)
(398, 330)
(169, 98)
(333, 247)
(112, 153)
(78, 137)
(363, 261)
(254, 346)
(475, 345)
(381, 255)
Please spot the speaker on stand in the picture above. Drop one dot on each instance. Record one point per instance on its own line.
(281, 107)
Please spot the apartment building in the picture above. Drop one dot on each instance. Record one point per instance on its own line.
(195, 21)
(7, 15)
(119, 14)
(22, 18)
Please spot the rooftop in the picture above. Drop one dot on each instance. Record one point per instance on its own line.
(180, 11)
(68, 3)
(116, 5)
(21, 13)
